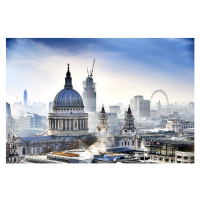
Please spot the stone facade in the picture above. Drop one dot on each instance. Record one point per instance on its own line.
(179, 125)
(41, 144)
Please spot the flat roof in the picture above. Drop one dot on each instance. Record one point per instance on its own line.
(66, 154)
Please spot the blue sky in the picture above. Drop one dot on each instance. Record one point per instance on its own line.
(123, 68)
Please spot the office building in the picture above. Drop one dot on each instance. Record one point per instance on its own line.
(144, 108)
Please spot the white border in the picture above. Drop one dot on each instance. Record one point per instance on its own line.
(98, 19)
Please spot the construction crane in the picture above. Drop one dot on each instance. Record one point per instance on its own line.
(87, 71)
(92, 68)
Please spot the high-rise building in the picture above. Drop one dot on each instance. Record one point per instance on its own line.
(135, 102)
(27, 122)
(8, 120)
(113, 121)
(89, 93)
(144, 108)
(36, 121)
(25, 98)
(115, 109)
(51, 107)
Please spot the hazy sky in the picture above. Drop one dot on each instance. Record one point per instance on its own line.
(123, 68)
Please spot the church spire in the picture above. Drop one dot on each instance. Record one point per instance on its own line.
(129, 109)
(103, 124)
(68, 79)
(103, 110)
(129, 127)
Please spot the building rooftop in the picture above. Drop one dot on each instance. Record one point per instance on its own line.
(37, 138)
(66, 154)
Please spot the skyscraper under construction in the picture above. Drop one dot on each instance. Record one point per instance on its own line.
(89, 93)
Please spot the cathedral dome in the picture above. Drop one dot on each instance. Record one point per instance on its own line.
(68, 117)
(68, 98)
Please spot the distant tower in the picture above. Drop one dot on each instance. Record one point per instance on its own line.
(8, 119)
(89, 93)
(129, 127)
(159, 106)
(51, 107)
(25, 98)
(103, 123)
(144, 108)
(191, 105)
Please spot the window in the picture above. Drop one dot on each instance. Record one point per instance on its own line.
(23, 150)
(179, 156)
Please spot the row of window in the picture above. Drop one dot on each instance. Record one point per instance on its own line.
(68, 109)
(185, 157)
(125, 143)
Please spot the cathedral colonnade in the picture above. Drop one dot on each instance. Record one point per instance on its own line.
(68, 124)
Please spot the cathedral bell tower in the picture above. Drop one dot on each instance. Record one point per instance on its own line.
(129, 127)
(103, 124)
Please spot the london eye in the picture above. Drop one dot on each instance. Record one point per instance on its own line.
(161, 92)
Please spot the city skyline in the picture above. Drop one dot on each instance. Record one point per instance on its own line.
(123, 68)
